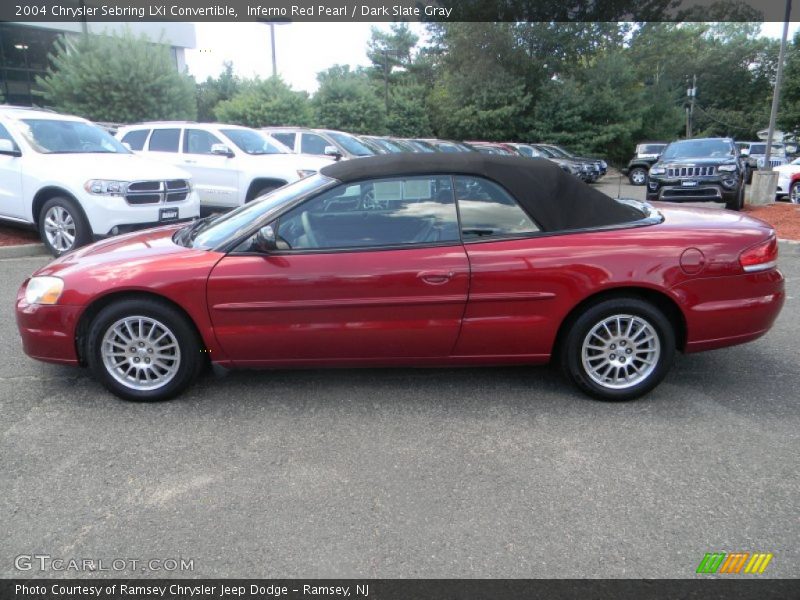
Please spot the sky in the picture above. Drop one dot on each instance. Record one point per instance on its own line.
(302, 49)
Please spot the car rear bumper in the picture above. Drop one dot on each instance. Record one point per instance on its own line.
(725, 311)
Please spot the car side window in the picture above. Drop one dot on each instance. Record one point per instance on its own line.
(287, 139)
(164, 140)
(374, 213)
(136, 138)
(311, 143)
(198, 141)
(487, 210)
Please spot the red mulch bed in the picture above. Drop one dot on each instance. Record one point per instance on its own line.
(14, 236)
(784, 217)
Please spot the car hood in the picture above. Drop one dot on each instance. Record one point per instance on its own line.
(132, 260)
(122, 167)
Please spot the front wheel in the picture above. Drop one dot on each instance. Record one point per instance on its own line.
(143, 350)
(618, 349)
(62, 226)
(738, 202)
(794, 193)
(638, 176)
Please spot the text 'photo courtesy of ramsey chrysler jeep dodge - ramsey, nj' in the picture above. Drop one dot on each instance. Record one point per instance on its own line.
(230, 165)
(75, 183)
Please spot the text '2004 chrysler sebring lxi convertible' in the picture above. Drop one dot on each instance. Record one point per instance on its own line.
(411, 260)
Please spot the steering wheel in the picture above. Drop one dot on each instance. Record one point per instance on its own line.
(312, 239)
(369, 202)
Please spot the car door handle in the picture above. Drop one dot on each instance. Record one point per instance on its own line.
(189, 161)
(436, 277)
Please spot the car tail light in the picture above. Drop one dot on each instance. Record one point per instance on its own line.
(760, 257)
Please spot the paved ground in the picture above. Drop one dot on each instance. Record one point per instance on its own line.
(407, 473)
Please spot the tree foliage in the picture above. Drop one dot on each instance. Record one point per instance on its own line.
(117, 78)
(348, 100)
(261, 103)
(215, 90)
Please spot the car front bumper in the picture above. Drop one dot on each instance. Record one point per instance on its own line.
(48, 331)
(106, 213)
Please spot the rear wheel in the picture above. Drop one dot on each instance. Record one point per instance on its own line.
(143, 350)
(638, 176)
(62, 226)
(618, 349)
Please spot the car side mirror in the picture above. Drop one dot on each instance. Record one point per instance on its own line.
(333, 152)
(221, 150)
(7, 147)
(266, 240)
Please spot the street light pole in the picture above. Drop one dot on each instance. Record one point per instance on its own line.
(776, 95)
(272, 40)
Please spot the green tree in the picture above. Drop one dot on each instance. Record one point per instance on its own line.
(789, 114)
(215, 90)
(348, 100)
(260, 103)
(117, 78)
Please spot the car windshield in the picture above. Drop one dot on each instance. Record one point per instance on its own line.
(351, 144)
(762, 149)
(548, 152)
(649, 148)
(698, 149)
(252, 142)
(218, 230)
(559, 152)
(54, 136)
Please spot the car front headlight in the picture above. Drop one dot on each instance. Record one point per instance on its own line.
(303, 173)
(43, 290)
(106, 187)
(728, 168)
(657, 170)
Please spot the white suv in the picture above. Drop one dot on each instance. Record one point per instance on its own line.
(75, 183)
(230, 165)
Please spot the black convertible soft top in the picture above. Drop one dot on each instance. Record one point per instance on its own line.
(554, 198)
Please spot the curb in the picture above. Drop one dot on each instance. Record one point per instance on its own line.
(23, 251)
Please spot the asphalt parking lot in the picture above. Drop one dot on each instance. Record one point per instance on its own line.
(503, 472)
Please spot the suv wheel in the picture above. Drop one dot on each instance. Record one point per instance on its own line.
(794, 193)
(62, 226)
(638, 176)
(738, 202)
(618, 349)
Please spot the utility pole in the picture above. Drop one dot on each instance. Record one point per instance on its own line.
(272, 40)
(776, 95)
(691, 93)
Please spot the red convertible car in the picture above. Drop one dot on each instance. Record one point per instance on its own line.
(411, 260)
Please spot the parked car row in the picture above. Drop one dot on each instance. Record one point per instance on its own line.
(153, 173)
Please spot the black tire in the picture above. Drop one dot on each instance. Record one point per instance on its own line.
(738, 202)
(794, 193)
(638, 176)
(79, 230)
(190, 360)
(572, 347)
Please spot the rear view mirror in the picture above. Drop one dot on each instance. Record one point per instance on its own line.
(266, 240)
(333, 152)
(221, 149)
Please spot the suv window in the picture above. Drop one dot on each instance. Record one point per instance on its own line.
(136, 139)
(4, 135)
(380, 212)
(487, 210)
(164, 140)
(311, 143)
(198, 141)
(287, 139)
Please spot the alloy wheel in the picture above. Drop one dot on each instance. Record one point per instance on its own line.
(60, 228)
